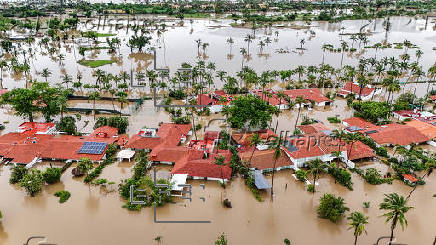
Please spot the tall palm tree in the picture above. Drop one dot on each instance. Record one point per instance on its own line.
(254, 142)
(248, 39)
(298, 101)
(219, 160)
(3, 65)
(46, 73)
(315, 168)
(396, 206)
(230, 43)
(357, 223)
(277, 146)
(344, 46)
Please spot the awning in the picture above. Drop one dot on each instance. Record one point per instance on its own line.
(125, 154)
(178, 179)
(260, 181)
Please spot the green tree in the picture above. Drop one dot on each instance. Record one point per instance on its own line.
(249, 111)
(276, 145)
(298, 101)
(32, 182)
(52, 175)
(357, 222)
(396, 207)
(254, 142)
(22, 101)
(331, 207)
(67, 125)
(315, 168)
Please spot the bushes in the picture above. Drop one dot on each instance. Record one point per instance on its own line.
(111, 150)
(121, 123)
(52, 175)
(97, 171)
(250, 183)
(177, 94)
(372, 110)
(331, 207)
(341, 175)
(301, 175)
(333, 119)
(32, 182)
(63, 196)
(18, 172)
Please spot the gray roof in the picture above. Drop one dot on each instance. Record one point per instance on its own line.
(260, 181)
(354, 128)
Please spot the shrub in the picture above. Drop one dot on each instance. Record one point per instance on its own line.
(342, 176)
(32, 182)
(331, 207)
(287, 242)
(366, 204)
(63, 196)
(333, 119)
(301, 175)
(310, 188)
(177, 94)
(52, 175)
(111, 150)
(18, 172)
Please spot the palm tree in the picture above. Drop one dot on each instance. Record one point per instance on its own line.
(198, 41)
(254, 141)
(219, 160)
(243, 52)
(298, 101)
(357, 223)
(277, 146)
(230, 43)
(248, 39)
(315, 168)
(396, 206)
(344, 46)
(94, 96)
(46, 73)
(3, 65)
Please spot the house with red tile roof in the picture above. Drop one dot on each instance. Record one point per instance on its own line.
(358, 151)
(397, 134)
(366, 93)
(312, 95)
(3, 91)
(410, 178)
(313, 128)
(264, 160)
(168, 134)
(215, 101)
(301, 149)
(30, 145)
(357, 124)
(272, 98)
(426, 128)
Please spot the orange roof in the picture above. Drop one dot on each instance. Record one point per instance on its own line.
(355, 89)
(433, 97)
(105, 132)
(358, 122)
(359, 150)
(427, 129)
(312, 145)
(312, 128)
(312, 94)
(169, 134)
(398, 134)
(265, 159)
(410, 177)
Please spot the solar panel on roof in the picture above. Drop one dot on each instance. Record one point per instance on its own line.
(96, 148)
(354, 128)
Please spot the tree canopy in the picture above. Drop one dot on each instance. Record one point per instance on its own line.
(249, 111)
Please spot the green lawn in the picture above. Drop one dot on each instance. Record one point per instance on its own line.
(97, 34)
(95, 63)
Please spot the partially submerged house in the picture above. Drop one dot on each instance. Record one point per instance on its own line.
(168, 134)
(386, 135)
(272, 98)
(365, 93)
(215, 101)
(264, 160)
(312, 95)
(35, 142)
(415, 114)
